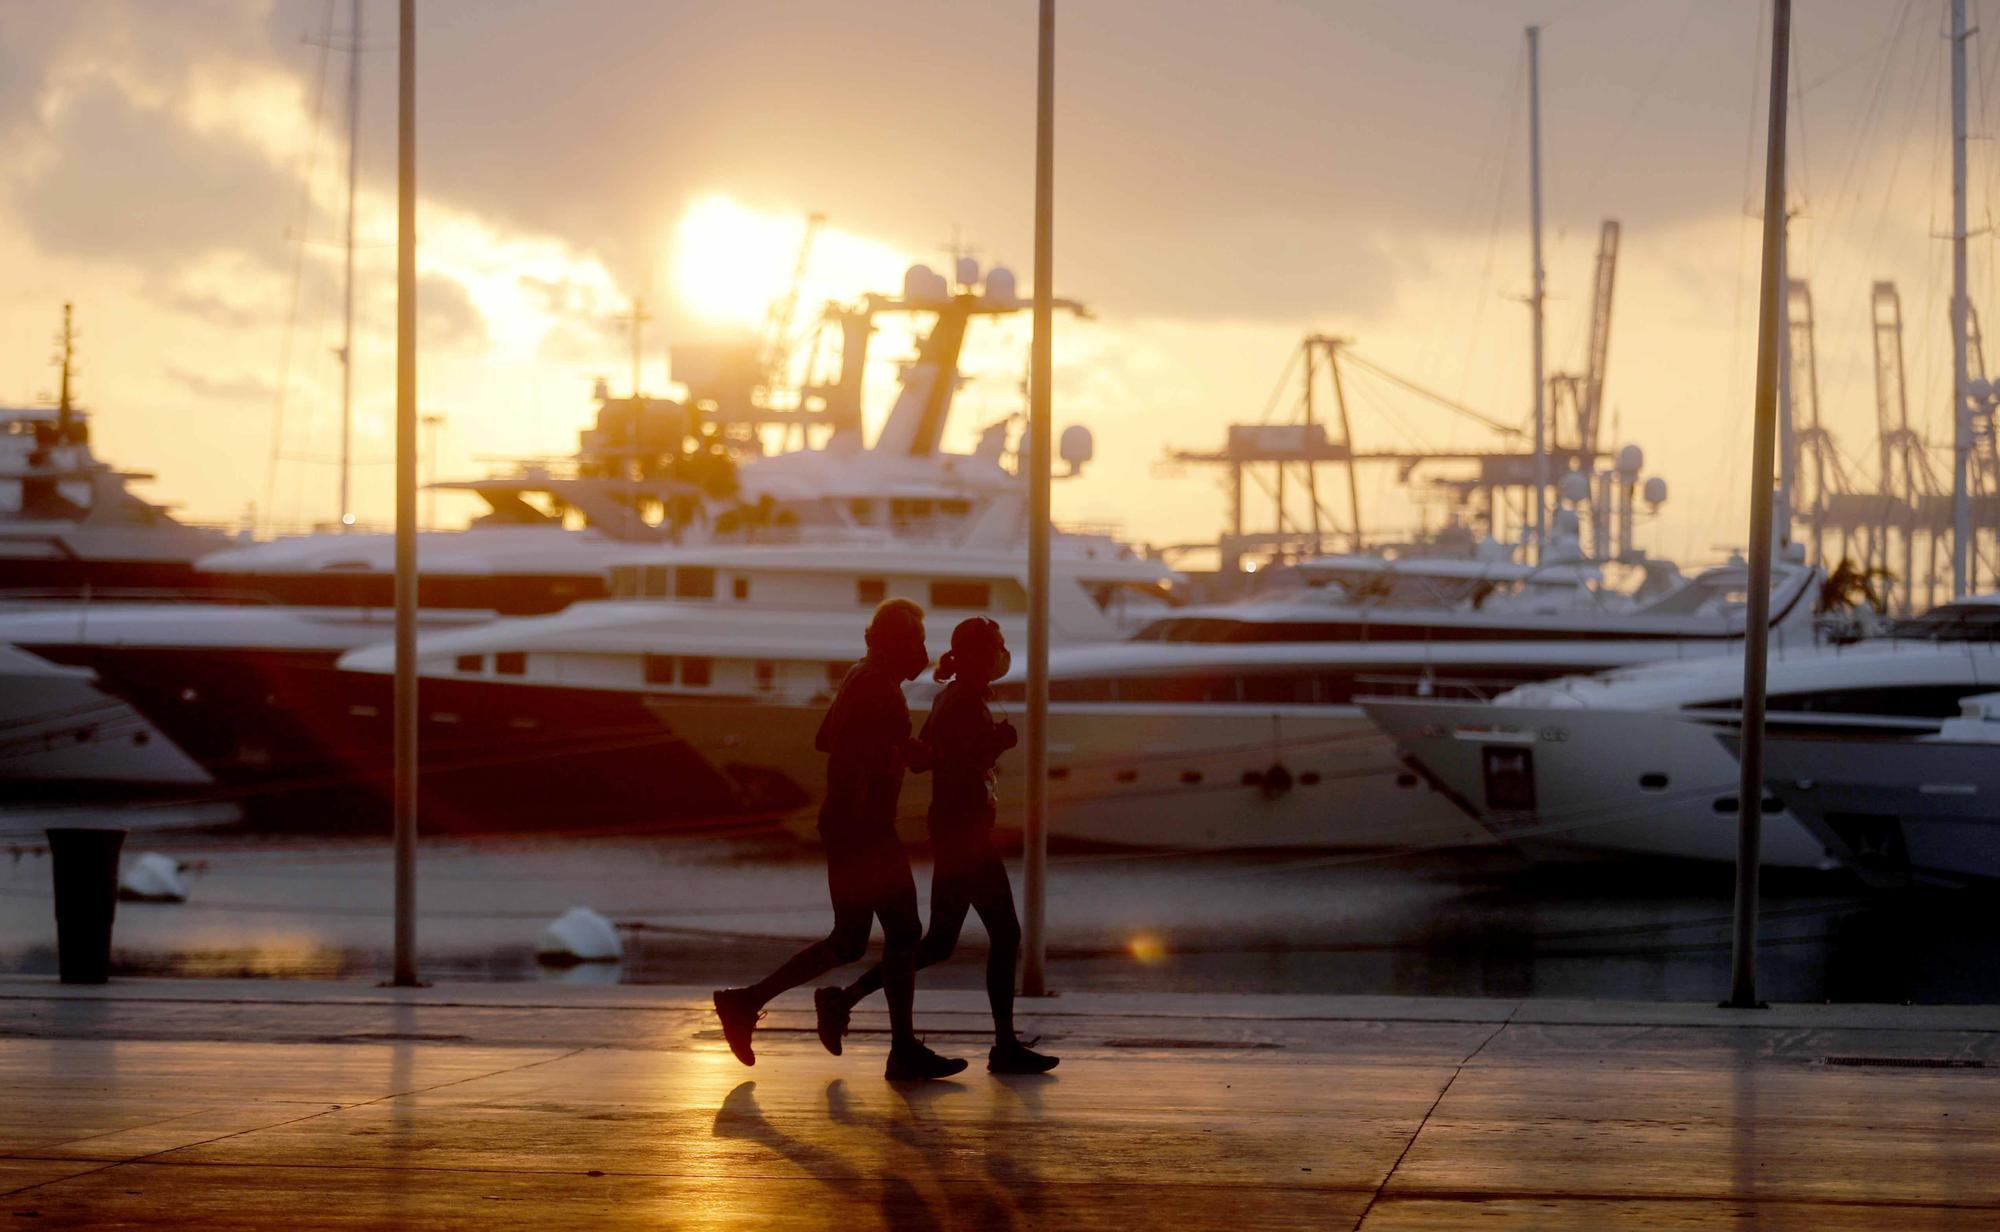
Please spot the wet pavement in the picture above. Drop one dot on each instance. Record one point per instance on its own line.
(705, 910)
(246, 1104)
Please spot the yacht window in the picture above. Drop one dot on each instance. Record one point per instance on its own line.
(740, 587)
(511, 662)
(955, 508)
(694, 583)
(472, 663)
(1061, 691)
(863, 511)
(656, 582)
(1175, 689)
(1936, 701)
(971, 596)
(659, 669)
(695, 673)
(625, 582)
(1333, 688)
(870, 591)
(1278, 690)
(767, 675)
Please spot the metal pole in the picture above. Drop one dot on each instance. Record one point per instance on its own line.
(1541, 282)
(405, 791)
(1035, 834)
(346, 512)
(1961, 420)
(1757, 614)
(1787, 447)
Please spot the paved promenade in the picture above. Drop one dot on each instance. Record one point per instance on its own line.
(264, 1104)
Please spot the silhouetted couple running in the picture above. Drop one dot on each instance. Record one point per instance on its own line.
(868, 746)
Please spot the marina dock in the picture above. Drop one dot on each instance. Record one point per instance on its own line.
(313, 1104)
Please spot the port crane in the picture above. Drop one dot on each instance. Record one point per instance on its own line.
(1280, 458)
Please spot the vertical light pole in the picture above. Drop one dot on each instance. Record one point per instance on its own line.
(1757, 613)
(1537, 295)
(405, 720)
(1961, 411)
(346, 511)
(1035, 833)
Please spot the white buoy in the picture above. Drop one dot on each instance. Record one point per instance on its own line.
(580, 935)
(153, 878)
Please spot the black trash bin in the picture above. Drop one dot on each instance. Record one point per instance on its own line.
(86, 872)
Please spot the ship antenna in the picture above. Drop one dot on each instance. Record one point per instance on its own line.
(65, 407)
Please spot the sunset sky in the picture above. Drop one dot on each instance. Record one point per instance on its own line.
(1228, 178)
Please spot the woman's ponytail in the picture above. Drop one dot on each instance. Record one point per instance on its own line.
(947, 667)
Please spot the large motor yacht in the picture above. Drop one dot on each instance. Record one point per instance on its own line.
(1628, 762)
(571, 713)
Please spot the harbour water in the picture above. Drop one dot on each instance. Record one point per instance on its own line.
(700, 910)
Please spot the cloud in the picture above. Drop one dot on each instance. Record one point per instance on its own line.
(136, 186)
(236, 388)
(446, 316)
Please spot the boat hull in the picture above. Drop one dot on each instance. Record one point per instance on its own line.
(1898, 810)
(1564, 783)
(296, 740)
(1228, 778)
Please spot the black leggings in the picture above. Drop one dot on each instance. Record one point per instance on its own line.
(969, 877)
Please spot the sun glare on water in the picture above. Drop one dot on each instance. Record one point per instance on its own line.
(730, 261)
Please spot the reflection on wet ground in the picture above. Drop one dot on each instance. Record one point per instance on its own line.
(1475, 922)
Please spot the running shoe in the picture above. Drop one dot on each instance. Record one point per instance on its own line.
(1018, 1058)
(830, 1007)
(912, 1062)
(739, 1021)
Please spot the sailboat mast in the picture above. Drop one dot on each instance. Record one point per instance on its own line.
(1961, 420)
(347, 306)
(1535, 296)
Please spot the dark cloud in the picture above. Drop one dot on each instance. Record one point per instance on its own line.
(447, 319)
(137, 186)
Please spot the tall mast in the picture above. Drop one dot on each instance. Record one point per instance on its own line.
(1788, 451)
(1540, 283)
(1961, 424)
(347, 307)
(65, 404)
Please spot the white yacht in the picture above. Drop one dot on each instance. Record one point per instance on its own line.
(1192, 746)
(1897, 807)
(579, 713)
(1628, 762)
(63, 739)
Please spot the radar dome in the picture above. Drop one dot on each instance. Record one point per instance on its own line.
(1077, 446)
(1574, 486)
(923, 284)
(1979, 389)
(1631, 460)
(1000, 287)
(966, 270)
(1656, 491)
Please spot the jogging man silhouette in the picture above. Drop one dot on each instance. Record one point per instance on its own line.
(866, 739)
(964, 742)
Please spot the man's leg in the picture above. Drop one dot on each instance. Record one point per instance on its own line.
(949, 905)
(853, 916)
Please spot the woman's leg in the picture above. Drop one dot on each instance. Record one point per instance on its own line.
(993, 898)
(949, 903)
